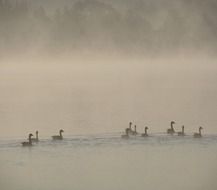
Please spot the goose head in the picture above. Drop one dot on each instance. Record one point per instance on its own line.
(30, 135)
(173, 122)
(61, 131)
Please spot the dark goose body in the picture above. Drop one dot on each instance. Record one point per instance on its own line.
(29, 143)
(145, 134)
(171, 130)
(130, 131)
(198, 135)
(35, 139)
(134, 132)
(58, 137)
(126, 135)
(181, 133)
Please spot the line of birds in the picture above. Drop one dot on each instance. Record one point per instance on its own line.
(129, 131)
(31, 140)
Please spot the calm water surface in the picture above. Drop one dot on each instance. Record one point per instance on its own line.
(107, 162)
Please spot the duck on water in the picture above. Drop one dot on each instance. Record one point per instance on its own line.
(58, 137)
(171, 129)
(29, 143)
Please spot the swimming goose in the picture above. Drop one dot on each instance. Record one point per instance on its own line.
(196, 135)
(58, 137)
(181, 133)
(126, 136)
(171, 130)
(30, 141)
(35, 139)
(134, 132)
(145, 134)
(130, 131)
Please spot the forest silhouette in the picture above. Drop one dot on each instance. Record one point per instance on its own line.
(141, 26)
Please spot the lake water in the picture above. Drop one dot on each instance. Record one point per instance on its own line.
(108, 162)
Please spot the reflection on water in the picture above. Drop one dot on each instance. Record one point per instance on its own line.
(108, 162)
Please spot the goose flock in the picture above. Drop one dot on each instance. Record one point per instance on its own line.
(128, 133)
(29, 143)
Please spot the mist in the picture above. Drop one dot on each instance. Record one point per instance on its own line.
(92, 96)
(141, 27)
(92, 66)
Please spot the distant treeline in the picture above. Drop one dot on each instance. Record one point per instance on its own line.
(144, 26)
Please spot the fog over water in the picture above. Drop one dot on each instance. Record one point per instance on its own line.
(92, 66)
(103, 96)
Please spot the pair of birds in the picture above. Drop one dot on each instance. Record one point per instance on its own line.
(182, 133)
(31, 140)
(29, 143)
(129, 131)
